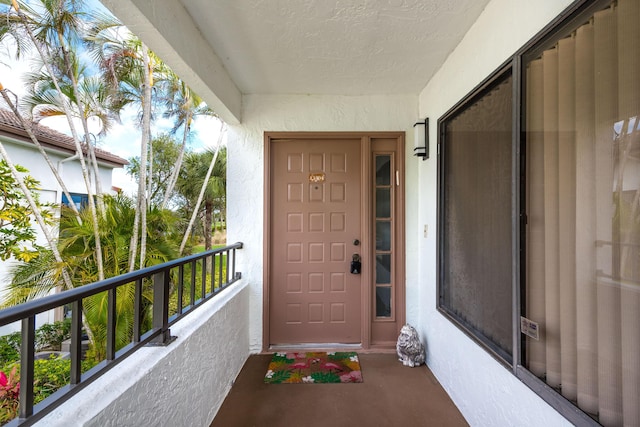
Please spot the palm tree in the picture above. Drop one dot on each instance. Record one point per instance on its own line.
(34, 279)
(99, 103)
(128, 65)
(12, 103)
(189, 185)
(184, 105)
(203, 189)
(54, 29)
(10, 29)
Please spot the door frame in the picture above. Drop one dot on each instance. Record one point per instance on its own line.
(366, 170)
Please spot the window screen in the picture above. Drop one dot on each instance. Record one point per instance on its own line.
(475, 282)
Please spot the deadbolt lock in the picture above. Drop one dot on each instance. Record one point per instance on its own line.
(356, 265)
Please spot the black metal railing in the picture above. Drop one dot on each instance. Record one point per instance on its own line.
(161, 289)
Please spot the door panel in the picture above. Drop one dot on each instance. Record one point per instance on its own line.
(315, 218)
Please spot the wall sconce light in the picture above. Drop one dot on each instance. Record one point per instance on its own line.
(421, 139)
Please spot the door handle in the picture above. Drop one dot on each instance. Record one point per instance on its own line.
(356, 264)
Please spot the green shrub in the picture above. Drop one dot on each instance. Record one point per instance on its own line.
(48, 336)
(51, 335)
(10, 348)
(49, 375)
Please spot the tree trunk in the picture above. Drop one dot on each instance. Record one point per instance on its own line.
(202, 190)
(91, 156)
(85, 174)
(150, 174)
(98, 181)
(36, 212)
(208, 213)
(176, 170)
(146, 132)
(27, 127)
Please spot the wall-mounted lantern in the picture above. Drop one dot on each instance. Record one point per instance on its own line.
(421, 139)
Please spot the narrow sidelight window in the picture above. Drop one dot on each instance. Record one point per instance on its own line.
(384, 225)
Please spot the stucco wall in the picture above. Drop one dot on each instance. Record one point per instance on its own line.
(182, 384)
(485, 391)
(245, 196)
(28, 156)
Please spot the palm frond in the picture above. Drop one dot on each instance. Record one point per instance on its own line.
(32, 280)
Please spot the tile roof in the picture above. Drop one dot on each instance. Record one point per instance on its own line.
(10, 125)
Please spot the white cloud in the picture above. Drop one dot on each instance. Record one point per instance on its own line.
(11, 70)
(207, 131)
(122, 180)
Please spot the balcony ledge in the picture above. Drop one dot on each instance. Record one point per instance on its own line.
(148, 387)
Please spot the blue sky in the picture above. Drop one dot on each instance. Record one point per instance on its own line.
(124, 139)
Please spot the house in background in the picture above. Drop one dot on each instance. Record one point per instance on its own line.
(62, 152)
(511, 245)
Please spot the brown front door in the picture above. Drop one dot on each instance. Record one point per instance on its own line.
(315, 229)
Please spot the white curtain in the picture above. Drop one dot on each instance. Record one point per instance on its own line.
(583, 204)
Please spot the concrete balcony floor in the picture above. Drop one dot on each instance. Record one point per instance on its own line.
(391, 395)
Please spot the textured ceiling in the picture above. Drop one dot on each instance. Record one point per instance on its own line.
(348, 47)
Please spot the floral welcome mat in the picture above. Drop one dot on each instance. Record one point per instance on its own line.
(317, 367)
